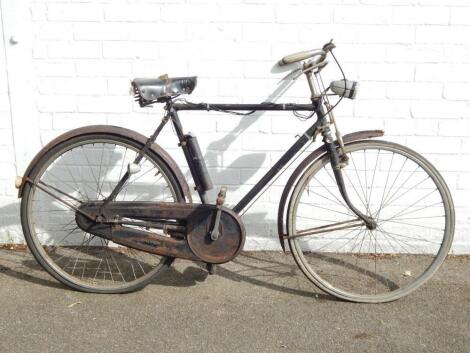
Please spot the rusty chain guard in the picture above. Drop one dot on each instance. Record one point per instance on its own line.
(197, 221)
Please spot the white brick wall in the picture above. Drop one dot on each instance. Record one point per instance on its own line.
(412, 58)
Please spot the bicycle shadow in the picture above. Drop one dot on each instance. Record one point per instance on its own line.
(270, 274)
(250, 162)
(10, 220)
(259, 269)
(20, 264)
(255, 269)
(214, 153)
(216, 148)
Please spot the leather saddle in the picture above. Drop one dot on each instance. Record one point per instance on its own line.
(150, 90)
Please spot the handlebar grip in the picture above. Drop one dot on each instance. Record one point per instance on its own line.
(292, 58)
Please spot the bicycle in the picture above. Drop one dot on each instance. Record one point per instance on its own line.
(104, 208)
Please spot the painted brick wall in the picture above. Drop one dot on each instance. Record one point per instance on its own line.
(411, 57)
(8, 210)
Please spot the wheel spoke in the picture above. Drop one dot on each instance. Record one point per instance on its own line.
(385, 186)
(393, 184)
(360, 184)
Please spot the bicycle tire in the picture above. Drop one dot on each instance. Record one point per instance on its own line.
(57, 160)
(336, 271)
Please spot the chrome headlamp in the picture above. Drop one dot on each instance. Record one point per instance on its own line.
(345, 88)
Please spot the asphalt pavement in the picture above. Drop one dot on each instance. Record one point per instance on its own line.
(259, 303)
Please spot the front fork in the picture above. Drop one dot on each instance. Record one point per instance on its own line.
(337, 162)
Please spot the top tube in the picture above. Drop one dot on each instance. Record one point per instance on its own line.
(241, 107)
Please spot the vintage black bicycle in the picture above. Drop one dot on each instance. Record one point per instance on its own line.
(104, 208)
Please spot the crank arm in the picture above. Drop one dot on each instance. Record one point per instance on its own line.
(354, 223)
(214, 233)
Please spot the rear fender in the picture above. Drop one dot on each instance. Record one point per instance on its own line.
(320, 151)
(116, 131)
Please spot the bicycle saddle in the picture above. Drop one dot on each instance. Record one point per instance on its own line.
(148, 90)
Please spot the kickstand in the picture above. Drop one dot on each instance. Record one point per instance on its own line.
(211, 268)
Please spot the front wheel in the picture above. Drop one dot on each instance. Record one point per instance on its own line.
(407, 198)
(87, 168)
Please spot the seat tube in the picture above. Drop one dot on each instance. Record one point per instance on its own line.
(117, 189)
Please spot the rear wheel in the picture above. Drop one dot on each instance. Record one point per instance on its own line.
(87, 168)
(407, 198)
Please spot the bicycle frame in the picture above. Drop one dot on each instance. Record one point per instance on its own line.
(197, 166)
(320, 125)
(172, 113)
(175, 227)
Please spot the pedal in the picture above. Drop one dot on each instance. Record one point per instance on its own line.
(211, 268)
(214, 233)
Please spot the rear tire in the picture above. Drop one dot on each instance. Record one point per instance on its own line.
(87, 168)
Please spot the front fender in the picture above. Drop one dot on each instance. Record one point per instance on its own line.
(320, 151)
(116, 131)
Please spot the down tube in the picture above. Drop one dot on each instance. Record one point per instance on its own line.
(291, 152)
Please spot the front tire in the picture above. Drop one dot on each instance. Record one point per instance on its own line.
(402, 192)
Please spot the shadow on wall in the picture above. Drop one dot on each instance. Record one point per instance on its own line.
(10, 228)
(256, 222)
(10, 220)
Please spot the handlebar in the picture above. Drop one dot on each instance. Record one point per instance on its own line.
(303, 55)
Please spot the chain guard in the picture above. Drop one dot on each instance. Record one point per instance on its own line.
(196, 243)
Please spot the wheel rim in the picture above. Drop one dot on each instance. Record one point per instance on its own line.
(398, 190)
(89, 170)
